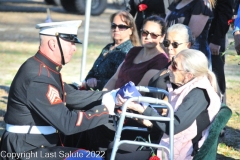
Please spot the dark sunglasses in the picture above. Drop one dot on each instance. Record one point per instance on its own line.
(69, 37)
(167, 43)
(146, 33)
(174, 65)
(121, 27)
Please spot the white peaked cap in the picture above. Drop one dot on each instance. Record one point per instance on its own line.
(66, 27)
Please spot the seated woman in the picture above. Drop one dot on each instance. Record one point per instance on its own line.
(124, 35)
(142, 63)
(195, 98)
(178, 38)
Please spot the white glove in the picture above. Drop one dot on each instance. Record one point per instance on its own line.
(109, 101)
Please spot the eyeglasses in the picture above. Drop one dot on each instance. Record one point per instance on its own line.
(146, 33)
(69, 37)
(167, 43)
(121, 27)
(174, 65)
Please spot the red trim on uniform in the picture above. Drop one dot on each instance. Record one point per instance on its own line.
(40, 70)
(49, 58)
(98, 115)
(53, 95)
(60, 139)
(46, 65)
(79, 120)
(64, 96)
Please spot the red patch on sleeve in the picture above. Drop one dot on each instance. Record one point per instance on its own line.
(79, 120)
(53, 95)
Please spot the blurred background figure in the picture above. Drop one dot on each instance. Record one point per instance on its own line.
(48, 19)
(141, 9)
(196, 14)
(236, 31)
(124, 36)
(222, 12)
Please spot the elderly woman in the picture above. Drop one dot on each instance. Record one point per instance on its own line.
(178, 38)
(195, 98)
(124, 35)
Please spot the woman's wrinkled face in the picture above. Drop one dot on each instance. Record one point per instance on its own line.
(151, 34)
(177, 75)
(120, 30)
(179, 41)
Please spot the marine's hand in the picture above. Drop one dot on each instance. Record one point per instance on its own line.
(109, 101)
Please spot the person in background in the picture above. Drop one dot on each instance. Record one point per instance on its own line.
(178, 38)
(41, 106)
(124, 35)
(141, 9)
(236, 30)
(196, 14)
(223, 12)
(195, 98)
(142, 63)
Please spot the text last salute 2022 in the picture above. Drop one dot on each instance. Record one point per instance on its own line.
(29, 155)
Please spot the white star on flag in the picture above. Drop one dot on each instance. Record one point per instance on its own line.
(127, 94)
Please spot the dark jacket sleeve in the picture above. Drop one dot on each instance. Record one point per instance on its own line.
(91, 73)
(236, 6)
(223, 12)
(195, 102)
(132, 7)
(56, 114)
(81, 99)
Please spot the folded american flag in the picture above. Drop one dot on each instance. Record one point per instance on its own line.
(128, 91)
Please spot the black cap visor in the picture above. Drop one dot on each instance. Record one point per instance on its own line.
(70, 37)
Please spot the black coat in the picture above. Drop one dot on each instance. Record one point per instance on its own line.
(222, 12)
(155, 7)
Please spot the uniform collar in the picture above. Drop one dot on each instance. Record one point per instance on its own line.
(48, 62)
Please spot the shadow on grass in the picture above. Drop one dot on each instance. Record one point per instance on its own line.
(231, 138)
(222, 157)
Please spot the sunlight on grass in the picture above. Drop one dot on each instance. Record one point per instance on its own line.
(227, 151)
(13, 54)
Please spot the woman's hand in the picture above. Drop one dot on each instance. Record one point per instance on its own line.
(91, 82)
(132, 105)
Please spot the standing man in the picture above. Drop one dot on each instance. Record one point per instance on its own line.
(40, 104)
(141, 9)
(223, 12)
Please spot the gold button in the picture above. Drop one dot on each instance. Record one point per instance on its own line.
(65, 103)
(97, 111)
(65, 93)
(42, 146)
(44, 66)
(104, 109)
(89, 114)
(56, 131)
